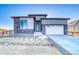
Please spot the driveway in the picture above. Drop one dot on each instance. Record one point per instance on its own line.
(68, 45)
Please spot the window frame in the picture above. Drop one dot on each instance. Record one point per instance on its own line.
(22, 25)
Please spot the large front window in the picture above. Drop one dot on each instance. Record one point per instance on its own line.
(23, 24)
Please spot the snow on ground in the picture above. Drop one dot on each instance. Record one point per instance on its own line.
(27, 50)
(24, 46)
(76, 37)
(22, 41)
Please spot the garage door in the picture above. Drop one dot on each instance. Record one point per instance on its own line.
(54, 29)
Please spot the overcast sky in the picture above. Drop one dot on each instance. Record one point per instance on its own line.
(62, 11)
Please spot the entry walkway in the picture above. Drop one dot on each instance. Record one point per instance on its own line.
(66, 44)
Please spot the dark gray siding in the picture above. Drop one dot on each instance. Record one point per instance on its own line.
(16, 25)
(54, 21)
(65, 29)
(43, 29)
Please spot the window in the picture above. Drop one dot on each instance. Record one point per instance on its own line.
(23, 24)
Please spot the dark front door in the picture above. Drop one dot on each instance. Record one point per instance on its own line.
(38, 26)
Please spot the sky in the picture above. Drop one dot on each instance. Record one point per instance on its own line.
(53, 10)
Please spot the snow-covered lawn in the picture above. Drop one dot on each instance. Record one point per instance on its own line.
(27, 50)
(24, 41)
(23, 45)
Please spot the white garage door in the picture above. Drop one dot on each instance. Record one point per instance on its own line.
(55, 29)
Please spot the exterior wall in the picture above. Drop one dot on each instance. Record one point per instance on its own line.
(30, 27)
(76, 27)
(70, 29)
(4, 32)
(74, 30)
(54, 21)
(39, 17)
(30, 22)
(11, 32)
(16, 25)
(43, 29)
(65, 29)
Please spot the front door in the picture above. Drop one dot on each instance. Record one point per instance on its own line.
(37, 26)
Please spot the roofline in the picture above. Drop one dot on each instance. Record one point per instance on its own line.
(37, 15)
(72, 22)
(56, 18)
(21, 17)
(3, 29)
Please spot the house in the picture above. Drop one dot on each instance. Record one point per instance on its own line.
(11, 32)
(4, 32)
(40, 23)
(73, 27)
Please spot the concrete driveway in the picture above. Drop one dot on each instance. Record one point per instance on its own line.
(68, 45)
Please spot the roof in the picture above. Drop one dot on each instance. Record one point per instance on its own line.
(73, 23)
(3, 29)
(56, 18)
(21, 17)
(37, 15)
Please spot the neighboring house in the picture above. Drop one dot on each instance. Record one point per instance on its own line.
(39, 23)
(4, 32)
(11, 32)
(73, 28)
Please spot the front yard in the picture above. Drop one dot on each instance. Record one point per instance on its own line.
(27, 46)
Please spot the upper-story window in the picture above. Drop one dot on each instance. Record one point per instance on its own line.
(23, 24)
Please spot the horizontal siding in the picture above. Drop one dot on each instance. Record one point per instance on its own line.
(54, 21)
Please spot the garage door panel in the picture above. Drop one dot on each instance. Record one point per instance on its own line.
(55, 29)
